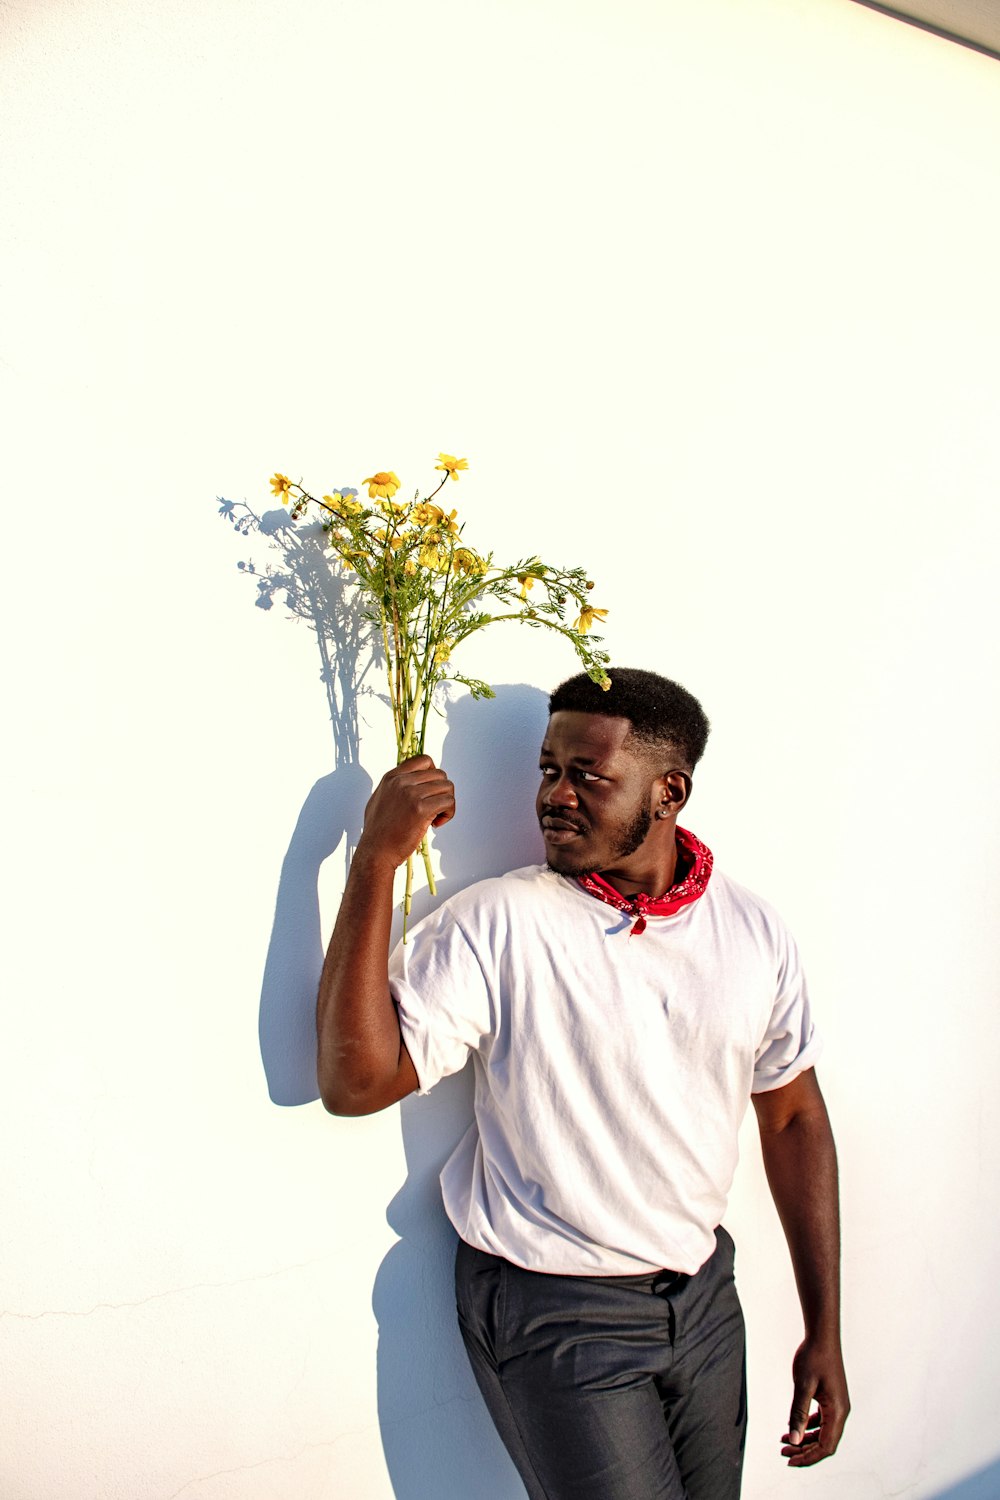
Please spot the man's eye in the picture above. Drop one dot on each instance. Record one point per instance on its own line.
(550, 771)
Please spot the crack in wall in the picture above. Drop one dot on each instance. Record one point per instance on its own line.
(276, 1458)
(174, 1291)
(286, 1458)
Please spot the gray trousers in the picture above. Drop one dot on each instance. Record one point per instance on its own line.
(611, 1387)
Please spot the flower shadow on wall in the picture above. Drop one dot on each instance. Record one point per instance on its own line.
(350, 646)
(436, 1434)
(349, 649)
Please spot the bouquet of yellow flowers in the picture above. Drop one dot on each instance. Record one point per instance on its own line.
(427, 590)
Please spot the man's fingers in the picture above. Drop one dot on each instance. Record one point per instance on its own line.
(803, 1458)
(435, 804)
(810, 1437)
(814, 1421)
(437, 796)
(798, 1420)
(422, 783)
(807, 1454)
(415, 770)
(809, 1451)
(429, 778)
(818, 1439)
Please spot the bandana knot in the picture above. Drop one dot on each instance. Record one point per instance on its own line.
(694, 866)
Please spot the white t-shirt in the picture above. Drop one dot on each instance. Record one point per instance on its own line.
(612, 1071)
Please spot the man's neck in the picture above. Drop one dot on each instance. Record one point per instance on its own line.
(650, 871)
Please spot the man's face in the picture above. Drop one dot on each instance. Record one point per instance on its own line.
(596, 800)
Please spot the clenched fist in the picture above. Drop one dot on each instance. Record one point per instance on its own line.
(408, 800)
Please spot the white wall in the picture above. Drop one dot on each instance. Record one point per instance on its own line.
(708, 296)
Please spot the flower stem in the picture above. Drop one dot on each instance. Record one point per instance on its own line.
(388, 672)
(406, 741)
(435, 626)
(441, 486)
(425, 850)
(408, 892)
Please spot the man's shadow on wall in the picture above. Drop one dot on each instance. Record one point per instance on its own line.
(436, 1434)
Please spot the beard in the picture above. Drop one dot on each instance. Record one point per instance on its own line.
(634, 833)
(622, 841)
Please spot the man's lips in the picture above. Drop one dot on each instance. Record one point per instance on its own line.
(559, 830)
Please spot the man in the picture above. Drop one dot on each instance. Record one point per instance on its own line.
(621, 1003)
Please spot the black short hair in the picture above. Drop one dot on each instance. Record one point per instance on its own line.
(663, 715)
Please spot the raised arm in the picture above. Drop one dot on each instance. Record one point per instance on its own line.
(363, 1065)
(801, 1164)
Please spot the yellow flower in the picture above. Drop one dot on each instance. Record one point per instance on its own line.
(431, 556)
(588, 615)
(527, 581)
(382, 535)
(392, 508)
(426, 514)
(343, 504)
(282, 486)
(442, 653)
(451, 465)
(383, 485)
(467, 561)
(409, 567)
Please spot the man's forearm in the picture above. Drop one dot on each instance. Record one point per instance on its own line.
(358, 1039)
(801, 1164)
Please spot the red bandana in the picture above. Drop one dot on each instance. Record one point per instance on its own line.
(694, 866)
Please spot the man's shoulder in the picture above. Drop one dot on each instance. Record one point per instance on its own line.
(746, 907)
(517, 889)
(730, 889)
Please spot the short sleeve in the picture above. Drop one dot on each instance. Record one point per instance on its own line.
(791, 1043)
(441, 995)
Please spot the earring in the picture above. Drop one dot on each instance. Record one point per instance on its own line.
(663, 811)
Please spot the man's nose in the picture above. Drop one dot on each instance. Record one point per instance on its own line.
(560, 792)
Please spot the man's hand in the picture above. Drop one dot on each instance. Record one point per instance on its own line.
(819, 1376)
(409, 799)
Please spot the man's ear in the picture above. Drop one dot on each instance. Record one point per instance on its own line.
(672, 791)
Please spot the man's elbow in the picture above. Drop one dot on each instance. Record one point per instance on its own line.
(362, 1075)
(351, 1093)
(341, 1097)
(347, 1105)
